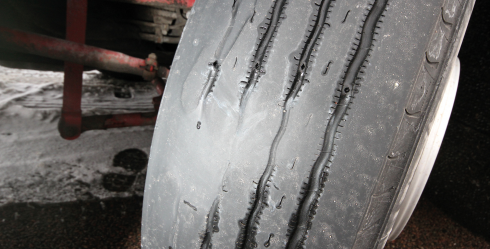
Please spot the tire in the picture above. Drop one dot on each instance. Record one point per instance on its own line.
(290, 124)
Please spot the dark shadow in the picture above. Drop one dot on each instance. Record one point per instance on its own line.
(112, 223)
(460, 181)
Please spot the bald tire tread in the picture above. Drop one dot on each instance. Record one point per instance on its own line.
(292, 124)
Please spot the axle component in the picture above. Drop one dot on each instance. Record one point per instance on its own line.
(161, 3)
(102, 122)
(79, 53)
(76, 54)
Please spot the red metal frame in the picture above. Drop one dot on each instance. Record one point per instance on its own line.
(70, 124)
(76, 55)
(103, 122)
(178, 3)
(99, 58)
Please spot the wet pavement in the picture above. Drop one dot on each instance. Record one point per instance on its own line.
(454, 211)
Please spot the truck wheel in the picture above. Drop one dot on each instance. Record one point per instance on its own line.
(293, 124)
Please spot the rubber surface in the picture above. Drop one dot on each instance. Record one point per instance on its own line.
(291, 123)
(424, 160)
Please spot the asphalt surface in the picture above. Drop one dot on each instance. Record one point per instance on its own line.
(454, 211)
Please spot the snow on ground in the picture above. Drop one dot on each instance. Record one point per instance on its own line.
(37, 165)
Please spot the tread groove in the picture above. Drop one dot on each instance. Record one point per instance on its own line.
(247, 235)
(317, 177)
(211, 225)
(266, 40)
